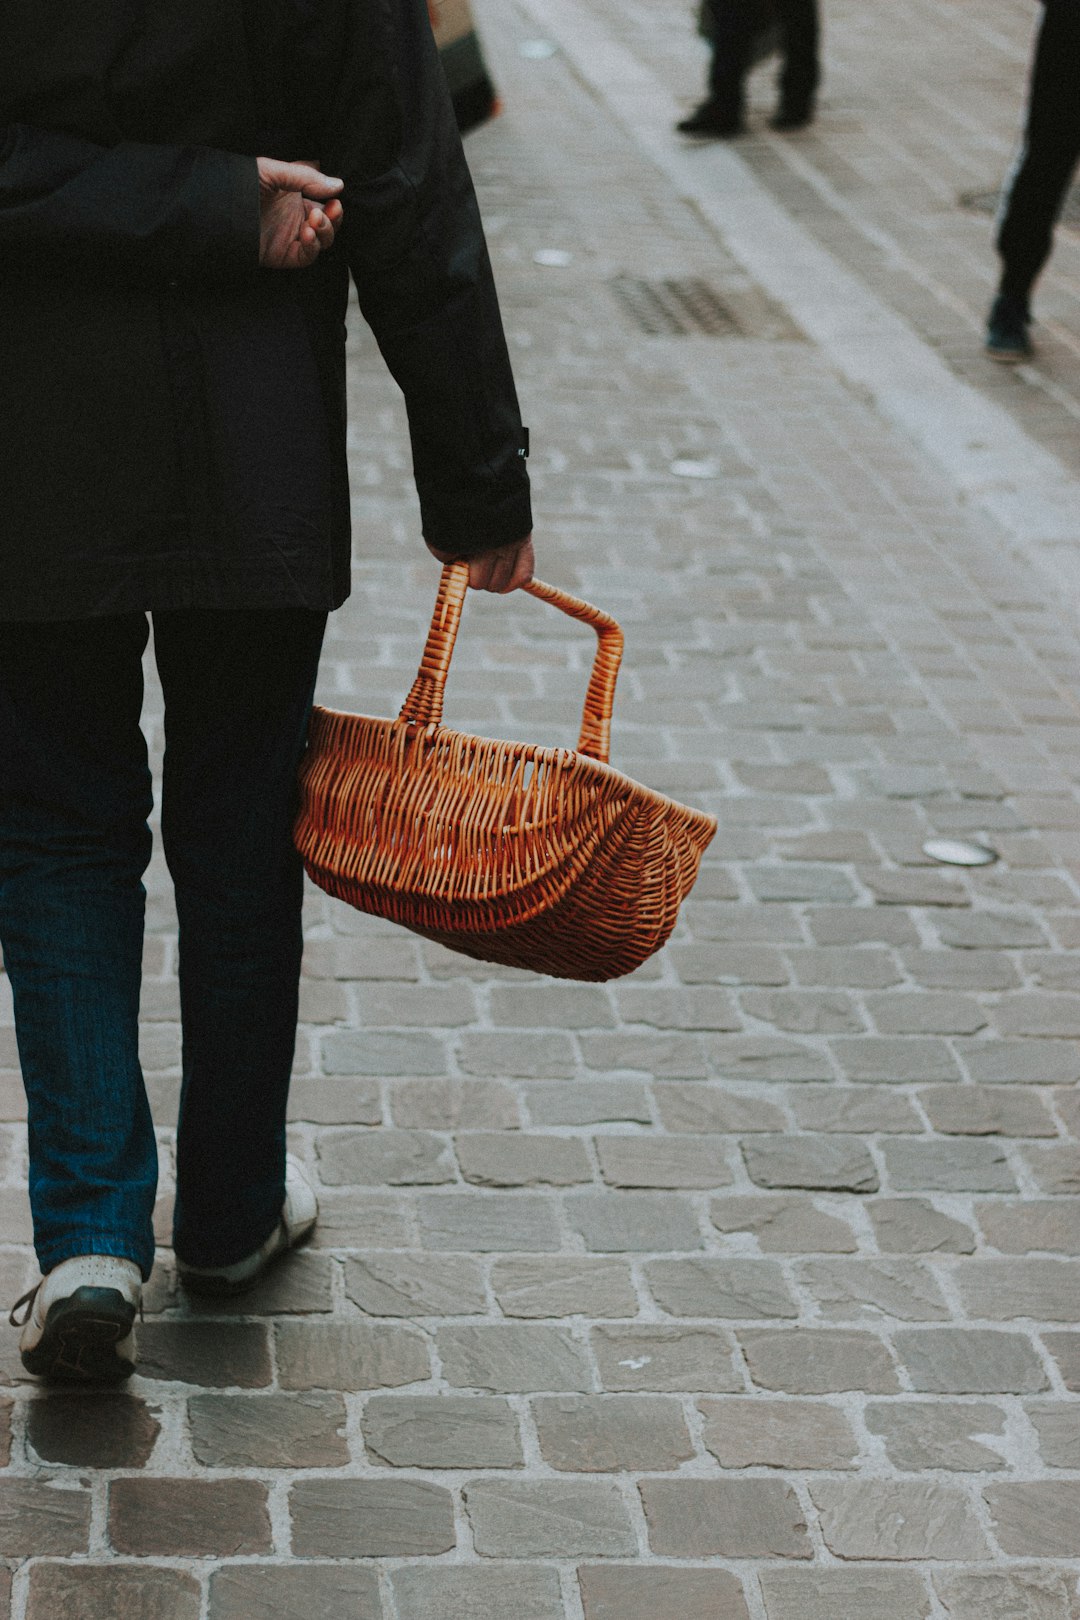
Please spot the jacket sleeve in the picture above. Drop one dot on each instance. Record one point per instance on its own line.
(125, 212)
(418, 257)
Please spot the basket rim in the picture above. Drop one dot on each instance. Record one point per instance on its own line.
(535, 751)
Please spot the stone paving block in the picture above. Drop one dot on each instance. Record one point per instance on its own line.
(861, 1110)
(516, 1056)
(998, 1290)
(451, 1105)
(628, 1222)
(769, 1057)
(1065, 1349)
(1015, 1594)
(383, 1158)
(920, 1435)
(818, 1362)
(989, 931)
(392, 1284)
(895, 1060)
(643, 1592)
(441, 1431)
(1036, 1518)
(188, 1518)
(391, 1006)
(606, 1434)
(499, 1221)
(516, 1159)
(318, 1100)
(92, 1430)
(662, 1161)
(589, 1102)
(370, 1518)
(857, 1290)
(724, 1518)
(1039, 1013)
(987, 1111)
(784, 1225)
(37, 1517)
(294, 1592)
(702, 963)
(122, 1591)
(822, 1163)
(552, 1006)
(804, 1012)
(912, 887)
(477, 1592)
(665, 1358)
(351, 1219)
(6, 1407)
(916, 1012)
(221, 1354)
(739, 1290)
(1058, 1427)
(509, 1358)
(760, 1433)
(879, 1519)
(388, 1052)
(918, 1164)
(695, 1008)
(702, 1107)
(970, 1361)
(861, 925)
(268, 1431)
(349, 1355)
(1054, 1169)
(563, 1286)
(560, 1518)
(1022, 1062)
(860, 967)
(670, 1056)
(853, 1594)
(796, 883)
(961, 970)
(914, 1226)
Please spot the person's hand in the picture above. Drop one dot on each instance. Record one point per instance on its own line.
(504, 569)
(298, 213)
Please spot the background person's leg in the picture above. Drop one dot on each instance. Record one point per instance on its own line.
(1036, 189)
(238, 688)
(75, 794)
(801, 70)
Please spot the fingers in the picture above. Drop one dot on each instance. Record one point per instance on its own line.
(505, 569)
(275, 175)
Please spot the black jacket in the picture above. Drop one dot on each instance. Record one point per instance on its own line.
(172, 418)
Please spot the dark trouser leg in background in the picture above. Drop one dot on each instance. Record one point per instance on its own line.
(1049, 155)
(801, 72)
(75, 795)
(238, 688)
(735, 25)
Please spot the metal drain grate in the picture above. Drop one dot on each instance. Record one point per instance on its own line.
(986, 202)
(674, 307)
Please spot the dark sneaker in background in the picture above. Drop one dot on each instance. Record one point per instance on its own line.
(1007, 337)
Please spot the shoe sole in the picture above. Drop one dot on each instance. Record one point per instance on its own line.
(211, 1287)
(80, 1339)
(1005, 358)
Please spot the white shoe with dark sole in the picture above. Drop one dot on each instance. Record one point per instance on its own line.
(299, 1213)
(79, 1323)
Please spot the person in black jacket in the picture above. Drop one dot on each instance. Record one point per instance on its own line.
(737, 28)
(183, 198)
(1036, 187)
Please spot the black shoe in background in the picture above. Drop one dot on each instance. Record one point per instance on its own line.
(792, 115)
(1007, 337)
(713, 120)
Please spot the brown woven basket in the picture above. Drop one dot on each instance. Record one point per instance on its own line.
(537, 858)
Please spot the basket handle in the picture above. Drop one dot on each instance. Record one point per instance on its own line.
(424, 704)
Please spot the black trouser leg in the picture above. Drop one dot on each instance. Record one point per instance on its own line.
(735, 25)
(1036, 190)
(800, 41)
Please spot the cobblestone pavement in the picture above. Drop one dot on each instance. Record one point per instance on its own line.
(745, 1288)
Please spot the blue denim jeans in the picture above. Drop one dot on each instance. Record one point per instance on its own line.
(75, 795)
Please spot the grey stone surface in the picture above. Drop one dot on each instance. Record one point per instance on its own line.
(854, 1593)
(762, 1433)
(605, 1434)
(784, 1225)
(477, 1592)
(733, 1289)
(696, 1518)
(628, 1223)
(970, 1361)
(921, 1435)
(1058, 1427)
(665, 1358)
(1019, 1594)
(657, 1161)
(1036, 1518)
(916, 1226)
(818, 1363)
(370, 1518)
(915, 1165)
(883, 1519)
(441, 1431)
(512, 1357)
(822, 1162)
(392, 1284)
(514, 1159)
(570, 1285)
(641, 1592)
(350, 1355)
(860, 1290)
(548, 1519)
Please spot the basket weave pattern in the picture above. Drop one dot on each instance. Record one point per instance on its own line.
(540, 858)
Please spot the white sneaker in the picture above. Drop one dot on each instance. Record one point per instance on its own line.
(79, 1320)
(299, 1213)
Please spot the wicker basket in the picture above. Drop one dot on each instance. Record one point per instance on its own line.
(537, 858)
